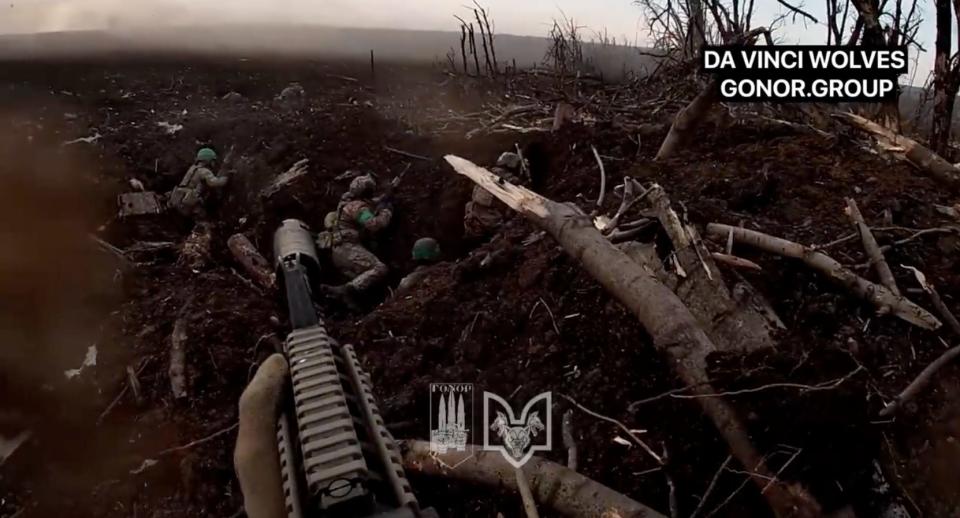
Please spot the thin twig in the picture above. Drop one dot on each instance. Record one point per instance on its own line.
(674, 512)
(731, 495)
(123, 392)
(603, 178)
(407, 154)
(633, 406)
(549, 311)
(713, 483)
(827, 385)
(780, 471)
(920, 382)
(622, 426)
(199, 441)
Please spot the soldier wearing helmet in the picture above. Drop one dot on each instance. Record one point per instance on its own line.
(426, 252)
(359, 219)
(188, 196)
(483, 214)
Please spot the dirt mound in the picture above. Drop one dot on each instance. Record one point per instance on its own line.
(515, 315)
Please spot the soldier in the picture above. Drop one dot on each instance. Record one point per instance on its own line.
(483, 215)
(359, 218)
(188, 197)
(426, 252)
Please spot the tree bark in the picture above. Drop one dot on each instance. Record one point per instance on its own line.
(253, 263)
(888, 113)
(688, 119)
(877, 295)
(670, 324)
(910, 150)
(943, 101)
(177, 370)
(872, 248)
(555, 486)
(696, 29)
(732, 326)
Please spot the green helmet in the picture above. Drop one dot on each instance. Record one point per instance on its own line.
(426, 249)
(206, 155)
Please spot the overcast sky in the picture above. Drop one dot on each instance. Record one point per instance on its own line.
(523, 17)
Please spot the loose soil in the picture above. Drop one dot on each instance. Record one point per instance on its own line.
(532, 321)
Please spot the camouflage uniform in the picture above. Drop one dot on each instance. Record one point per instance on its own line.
(357, 219)
(483, 214)
(187, 198)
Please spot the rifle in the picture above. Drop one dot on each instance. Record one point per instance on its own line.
(338, 458)
(387, 196)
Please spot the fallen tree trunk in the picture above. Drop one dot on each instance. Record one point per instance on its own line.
(668, 321)
(253, 263)
(876, 294)
(908, 149)
(552, 485)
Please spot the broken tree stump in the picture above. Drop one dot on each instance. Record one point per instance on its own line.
(692, 115)
(879, 296)
(285, 179)
(731, 324)
(674, 330)
(908, 149)
(256, 266)
(688, 119)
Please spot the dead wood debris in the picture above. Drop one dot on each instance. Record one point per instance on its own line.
(920, 382)
(195, 252)
(507, 115)
(200, 441)
(178, 353)
(552, 485)
(926, 376)
(908, 149)
(252, 261)
(880, 296)
(675, 331)
(407, 154)
(737, 262)
(872, 248)
(710, 486)
(130, 385)
(659, 458)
